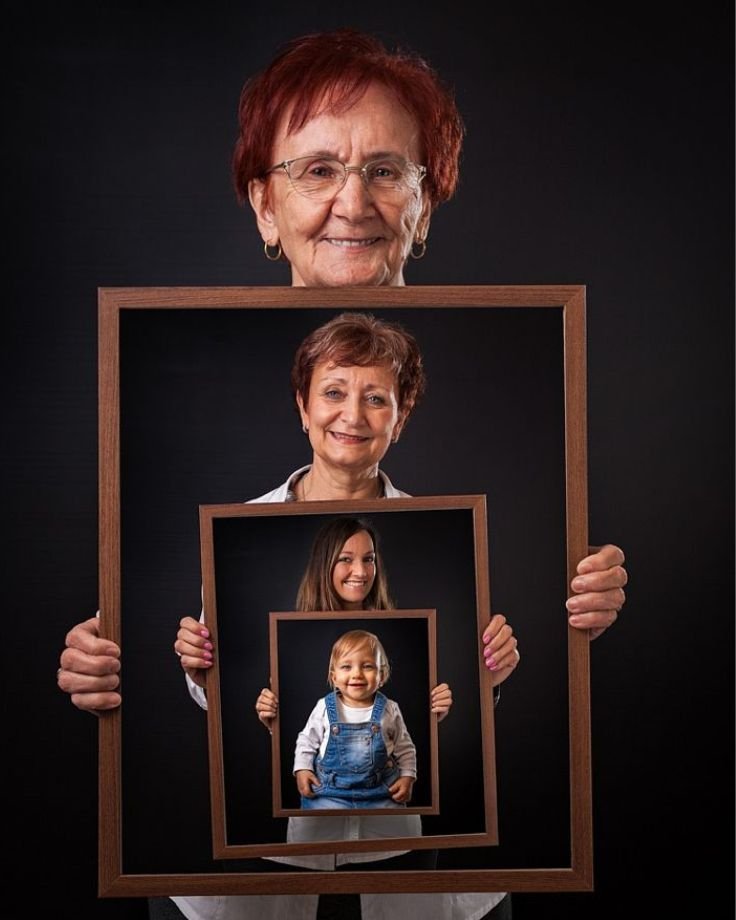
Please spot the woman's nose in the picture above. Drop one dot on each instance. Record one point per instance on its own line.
(354, 200)
(352, 410)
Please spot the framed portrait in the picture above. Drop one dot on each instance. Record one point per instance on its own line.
(433, 547)
(412, 637)
(195, 410)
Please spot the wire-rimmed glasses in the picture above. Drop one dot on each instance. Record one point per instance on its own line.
(321, 178)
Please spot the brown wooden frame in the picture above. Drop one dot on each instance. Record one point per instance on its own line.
(570, 300)
(281, 810)
(474, 504)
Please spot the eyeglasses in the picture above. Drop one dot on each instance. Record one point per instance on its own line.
(321, 178)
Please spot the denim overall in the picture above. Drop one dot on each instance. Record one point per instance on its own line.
(355, 770)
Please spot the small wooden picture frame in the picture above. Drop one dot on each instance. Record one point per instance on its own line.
(300, 644)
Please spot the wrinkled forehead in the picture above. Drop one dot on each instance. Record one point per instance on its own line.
(335, 98)
(354, 366)
(323, 120)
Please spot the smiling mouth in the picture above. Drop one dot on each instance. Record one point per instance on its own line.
(352, 244)
(347, 438)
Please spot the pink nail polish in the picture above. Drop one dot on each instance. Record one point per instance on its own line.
(205, 633)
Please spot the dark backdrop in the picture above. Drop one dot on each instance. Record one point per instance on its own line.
(600, 152)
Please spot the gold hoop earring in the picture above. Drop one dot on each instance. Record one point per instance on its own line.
(305, 429)
(267, 249)
(421, 249)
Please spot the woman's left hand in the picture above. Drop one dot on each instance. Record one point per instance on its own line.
(499, 652)
(598, 593)
(441, 700)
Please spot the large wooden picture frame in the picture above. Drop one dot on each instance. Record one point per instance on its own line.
(438, 545)
(194, 409)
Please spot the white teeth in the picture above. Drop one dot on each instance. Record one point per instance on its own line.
(352, 244)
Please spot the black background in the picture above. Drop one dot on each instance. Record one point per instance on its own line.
(599, 151)
(206, 417)
(255, 559)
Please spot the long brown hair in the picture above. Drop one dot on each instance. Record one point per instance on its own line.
(316, 592)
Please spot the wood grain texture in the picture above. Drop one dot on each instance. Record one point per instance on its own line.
(571, 298)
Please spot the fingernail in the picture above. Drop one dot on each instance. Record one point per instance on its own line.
(572, 603)
(205, 633)
(207, 654)
(585, 567)
(575, 621)
(491, 662)
(208, 645)
(579, 583)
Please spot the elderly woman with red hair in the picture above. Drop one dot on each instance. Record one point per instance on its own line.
(345, 150)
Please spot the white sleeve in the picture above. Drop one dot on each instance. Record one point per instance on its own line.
(196, 692)
(310, 737)
(399, 743)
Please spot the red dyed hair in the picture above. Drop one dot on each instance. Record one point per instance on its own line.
(329, 72)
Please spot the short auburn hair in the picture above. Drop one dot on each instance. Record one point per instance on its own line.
(359, 339)
(330, 72)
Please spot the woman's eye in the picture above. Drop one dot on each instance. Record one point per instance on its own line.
(332, 394)
(321, 171)
(386, 171)
(376, 400)
(345, 559)
(369, 560)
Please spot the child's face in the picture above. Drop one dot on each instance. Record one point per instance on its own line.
(357, 676)
(355, 571)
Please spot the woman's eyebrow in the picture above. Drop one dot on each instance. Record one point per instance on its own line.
(343, 380)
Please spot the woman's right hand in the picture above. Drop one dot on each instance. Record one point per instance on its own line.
(267, 706)
(195, 650)
(89, 668)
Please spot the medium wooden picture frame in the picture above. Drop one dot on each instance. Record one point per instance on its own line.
(439, 546)
(193, 400)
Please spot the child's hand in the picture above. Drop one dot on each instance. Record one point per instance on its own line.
(305, 780)
(499, 649)
(267, 706)
(441, 700)
(401, 789)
